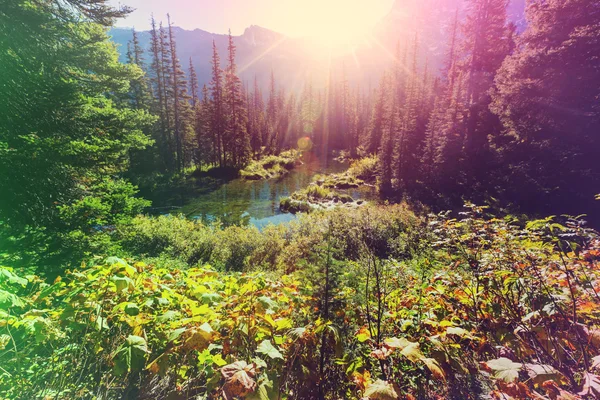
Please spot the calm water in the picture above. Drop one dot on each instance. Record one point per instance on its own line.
(255, 202)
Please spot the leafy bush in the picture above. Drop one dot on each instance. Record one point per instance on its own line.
(365, 168)
(377, 303)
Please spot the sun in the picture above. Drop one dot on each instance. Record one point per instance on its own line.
(338, 23)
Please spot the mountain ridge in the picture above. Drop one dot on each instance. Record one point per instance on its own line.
(293, 60)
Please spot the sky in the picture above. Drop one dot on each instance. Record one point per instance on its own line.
(295, 18)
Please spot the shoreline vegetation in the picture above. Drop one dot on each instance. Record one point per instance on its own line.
(271, 166)
(323, 193)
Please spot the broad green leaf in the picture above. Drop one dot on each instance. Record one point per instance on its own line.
(122, 283)
(176, 333)
(218, 359)
(48, 290)
(168, 316)
(267, 348)
(283, 323)
(210, 298)
(7, 275)
(267, 304)
(132, 309)
(8, 300)
(131, 355)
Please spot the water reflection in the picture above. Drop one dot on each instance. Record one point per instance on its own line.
(256, 202)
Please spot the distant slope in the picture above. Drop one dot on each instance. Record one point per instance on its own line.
(260, 50)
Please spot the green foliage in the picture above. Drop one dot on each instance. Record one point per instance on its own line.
(272, 166)
(319, 195)
(364, 168)
(371, 303)
(238, 248)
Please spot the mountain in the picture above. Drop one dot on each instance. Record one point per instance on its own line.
(294, 60)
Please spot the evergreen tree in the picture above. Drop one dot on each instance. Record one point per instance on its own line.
(236, 137)
(180, 105)
(272, 115)
(217, 120)
(547, 98)
(379, 117)
(139, 93)
(166, 76)
(256, 119)
(408, 136)
(194, 85)
(204, 149)
(64, 140)
(159, 90)
(486, 42)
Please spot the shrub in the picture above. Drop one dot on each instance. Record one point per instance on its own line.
(365, 168)
(272, 166)
(381, 299)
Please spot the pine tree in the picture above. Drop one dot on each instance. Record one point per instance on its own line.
(272, 116)
(204, 149)
(257, 119)
(485, 45)
(236, 137)
(308, 108)
(157, 81)
(139, 92)
(193, 85)
(379, 117)
(407, 136)
(386, 151)
(166, 72)
(443, 142)
(217, 121)
(547, 95)
(181, 111)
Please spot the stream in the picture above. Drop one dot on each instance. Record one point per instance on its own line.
(244, 202)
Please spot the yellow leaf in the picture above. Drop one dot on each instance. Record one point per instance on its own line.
(434, 367)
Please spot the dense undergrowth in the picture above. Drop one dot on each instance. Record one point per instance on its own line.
(374, 303)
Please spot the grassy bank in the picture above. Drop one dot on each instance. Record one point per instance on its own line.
(314, 197)
(374, 303)
(323, 192)
(271, 166)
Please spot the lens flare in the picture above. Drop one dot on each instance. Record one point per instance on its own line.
(305, 144)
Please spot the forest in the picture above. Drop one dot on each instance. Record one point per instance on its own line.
(452, 253)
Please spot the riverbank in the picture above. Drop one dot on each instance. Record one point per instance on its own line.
(317, 197)
(271, 166)
(324, 191)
